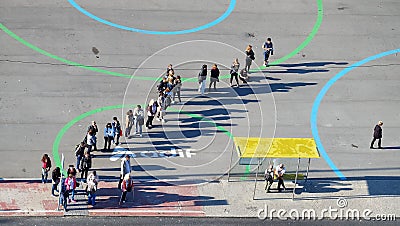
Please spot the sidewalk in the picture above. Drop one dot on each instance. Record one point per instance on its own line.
(217, 199)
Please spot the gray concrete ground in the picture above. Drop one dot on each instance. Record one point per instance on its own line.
(39, 95)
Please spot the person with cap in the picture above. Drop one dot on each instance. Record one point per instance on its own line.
(125, 168)
(377, 135)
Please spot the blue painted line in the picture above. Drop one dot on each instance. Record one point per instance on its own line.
(320, 96)
(203, 27)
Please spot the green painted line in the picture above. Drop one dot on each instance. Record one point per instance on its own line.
(61, 133)
(91, 68)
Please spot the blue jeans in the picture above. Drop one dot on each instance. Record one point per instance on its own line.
(266, 55)
(44, 175)
(92, 199)
(72, 192)
(54, 188)
(78, 161)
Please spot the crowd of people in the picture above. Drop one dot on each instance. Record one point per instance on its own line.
(169, 90)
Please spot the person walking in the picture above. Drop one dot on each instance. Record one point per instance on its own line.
(161, 109)
(91, 189)
(138, 114)
(127, 186)
(70, 184)
(202, 77)
(249, 57)
(214, 77)
(269, 178)
(71, 170)
(176, 91)
(234, 72)
(95, 130)
(64, 196)
(280, 171)
(117, 130)
(55, 179)
(79, 153)
(46, 166)
(151, 112)
(377, 135)
(169, 70)
(268, 48)
(86, 164)
(108, 136)
(125, 168)
(129, 122)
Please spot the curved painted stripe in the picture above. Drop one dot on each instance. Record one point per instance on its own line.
(91, 68)
(320, 96)
(203, 27)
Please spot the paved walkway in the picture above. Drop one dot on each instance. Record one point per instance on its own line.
(218, 199)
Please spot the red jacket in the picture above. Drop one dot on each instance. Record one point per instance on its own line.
(67, 183)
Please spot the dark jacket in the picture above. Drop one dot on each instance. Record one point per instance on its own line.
(378, 132)
(250, 54)
(86, 163)
(214, 73)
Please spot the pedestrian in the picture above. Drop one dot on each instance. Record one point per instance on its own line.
(234, 72)
(138, 114)
(64, 196)
(214, 77)
(249, 57)
(163, 84)
(125, 168)
(117, 130)
(268, 48)
(176, 91)
(161, 107)
(127, 186)
(70, 184)
(91, 140)
(79, 153)
(243, 76)
(86, 164)
(269, 178)
(108, 136)
(169, 69)
(94, 129)
(46, 166)
(55, 179)
(202, 77)
(71, 170)
(280, 171)
(91, 189)
(377, 135)
(129, 122)
(151, 112)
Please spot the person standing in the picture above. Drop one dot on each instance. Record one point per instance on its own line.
(138, 114)
(117, 130)
(234, 72)
(268, 48)
(127, 186)
(86, 164)
(79, 153)
(71, 170)
(377, 135)
(161, 103)
(202, 77)
(151, 112)
(91, 140)
(177, 89)
(95, 130)
(108, 136)
(46, 166)
(214, 77)
(125, 168)
(249, 57)
(91, 189)
(129, 122)
(70, 184)
(269, 177)
(169, 70)
(280, 171)
(55, 178)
